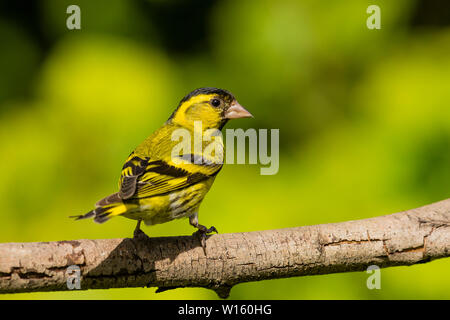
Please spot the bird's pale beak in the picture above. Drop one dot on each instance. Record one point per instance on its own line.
(236, 111)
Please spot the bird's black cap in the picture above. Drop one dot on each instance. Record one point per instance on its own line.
(220, 92)
(226, 95)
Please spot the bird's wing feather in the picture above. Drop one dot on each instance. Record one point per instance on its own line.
(133, 168)
(112, 198)
(143, 177)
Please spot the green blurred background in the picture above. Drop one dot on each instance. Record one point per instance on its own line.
(364, 119)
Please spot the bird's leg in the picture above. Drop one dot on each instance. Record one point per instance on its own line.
(138, 233)
(202, 231)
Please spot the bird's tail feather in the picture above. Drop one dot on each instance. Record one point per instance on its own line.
(104, 213)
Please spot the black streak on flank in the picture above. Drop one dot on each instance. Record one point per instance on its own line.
(164, 168)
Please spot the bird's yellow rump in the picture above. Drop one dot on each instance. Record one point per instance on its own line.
(155, 188)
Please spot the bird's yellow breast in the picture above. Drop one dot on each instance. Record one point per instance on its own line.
(175, 205)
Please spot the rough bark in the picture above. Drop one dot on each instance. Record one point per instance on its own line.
(414, 236)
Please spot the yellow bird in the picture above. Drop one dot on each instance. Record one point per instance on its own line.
(159, 185)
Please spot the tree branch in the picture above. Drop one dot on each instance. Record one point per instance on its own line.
(414, 236)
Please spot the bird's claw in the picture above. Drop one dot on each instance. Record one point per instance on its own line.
(202, 234)
(212, 229)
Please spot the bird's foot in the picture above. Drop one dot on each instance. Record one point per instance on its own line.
(202, 234)
(138, 234)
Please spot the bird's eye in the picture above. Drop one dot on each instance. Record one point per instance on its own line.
(215, 102)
